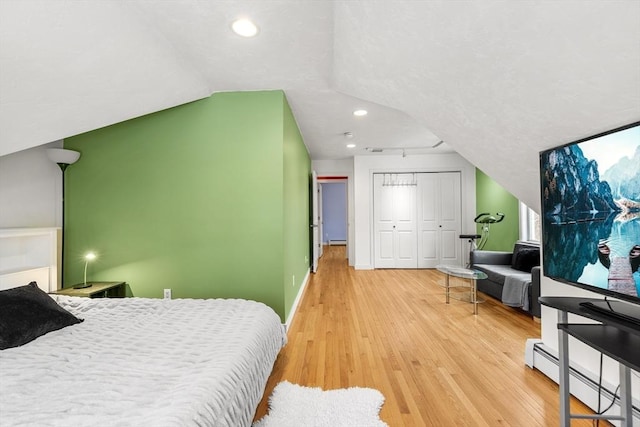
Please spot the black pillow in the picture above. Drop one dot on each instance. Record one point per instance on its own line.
(524, 259)
(27, 312)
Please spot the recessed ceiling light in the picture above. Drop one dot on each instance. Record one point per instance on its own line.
(360, 113)
(244, 27)
(351, 145)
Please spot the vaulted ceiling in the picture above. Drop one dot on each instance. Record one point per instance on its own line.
(498, 81)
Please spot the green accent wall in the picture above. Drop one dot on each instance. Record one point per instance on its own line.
(209, 199)
(493, 198)
(297, 175)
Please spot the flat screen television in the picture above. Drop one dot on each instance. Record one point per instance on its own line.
(590, 216)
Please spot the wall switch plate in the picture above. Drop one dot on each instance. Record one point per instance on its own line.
(167, 294)
(293, 280)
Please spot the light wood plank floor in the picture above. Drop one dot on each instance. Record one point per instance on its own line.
(436, 364)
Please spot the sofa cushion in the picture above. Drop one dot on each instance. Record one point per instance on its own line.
(525, 258)
(495, 273)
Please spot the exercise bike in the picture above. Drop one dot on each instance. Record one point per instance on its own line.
(486, 219)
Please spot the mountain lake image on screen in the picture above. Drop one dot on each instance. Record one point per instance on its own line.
(590, 193)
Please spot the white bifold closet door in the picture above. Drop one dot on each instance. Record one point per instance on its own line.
(439, 219)
(395, 238)
(417, 220)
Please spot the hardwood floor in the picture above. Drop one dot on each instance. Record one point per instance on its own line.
(436, 364)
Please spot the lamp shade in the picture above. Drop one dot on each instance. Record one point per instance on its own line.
(63, 156)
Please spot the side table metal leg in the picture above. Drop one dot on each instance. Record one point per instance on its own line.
(563, 347)
(474, 295)
(446, 287)
(625, 396)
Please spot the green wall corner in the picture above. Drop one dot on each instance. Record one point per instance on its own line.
(493, 198)
(297, 175)
(195, 198)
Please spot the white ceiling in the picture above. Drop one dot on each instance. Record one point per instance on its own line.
(498, 81)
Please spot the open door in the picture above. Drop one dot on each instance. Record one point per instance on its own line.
(315, 222)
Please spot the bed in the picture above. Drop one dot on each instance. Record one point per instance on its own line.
(138, 361)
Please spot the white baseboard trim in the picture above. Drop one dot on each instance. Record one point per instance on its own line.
(583, 384)
(363, 267)
(294, 306)
(529, 350)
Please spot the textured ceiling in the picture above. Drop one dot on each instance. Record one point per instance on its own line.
(498, 81)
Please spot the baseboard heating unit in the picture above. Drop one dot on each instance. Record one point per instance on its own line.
(583, 384)
(337, 242)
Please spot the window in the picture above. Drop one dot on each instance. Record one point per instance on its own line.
(529, 224)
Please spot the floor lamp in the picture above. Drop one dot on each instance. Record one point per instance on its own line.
(63, 158)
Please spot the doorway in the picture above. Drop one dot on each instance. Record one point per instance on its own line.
(334, 213)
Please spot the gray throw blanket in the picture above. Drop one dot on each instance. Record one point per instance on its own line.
(515, 292)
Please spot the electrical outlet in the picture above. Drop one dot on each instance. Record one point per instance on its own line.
(167, 294)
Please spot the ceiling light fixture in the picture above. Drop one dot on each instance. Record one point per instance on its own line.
(360, 113)
(351, 145)
(244, 27)
(403, 149)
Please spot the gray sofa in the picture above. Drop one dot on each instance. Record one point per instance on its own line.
(512, 277)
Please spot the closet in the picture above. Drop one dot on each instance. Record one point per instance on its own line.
(417, 219)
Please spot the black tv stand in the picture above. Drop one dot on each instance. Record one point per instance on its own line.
(615, 337)
(620, 311)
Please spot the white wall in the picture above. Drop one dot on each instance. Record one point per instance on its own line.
(366, 166)
(30, 189)
(343, 167)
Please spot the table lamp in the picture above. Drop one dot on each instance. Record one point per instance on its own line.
(90, 256)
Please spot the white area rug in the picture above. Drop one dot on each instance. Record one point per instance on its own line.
(291, 405)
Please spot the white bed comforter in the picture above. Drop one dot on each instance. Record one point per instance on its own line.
(144, 362)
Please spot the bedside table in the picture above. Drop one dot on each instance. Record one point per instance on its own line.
(96, 290)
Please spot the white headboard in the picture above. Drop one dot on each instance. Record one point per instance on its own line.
(30, 254)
